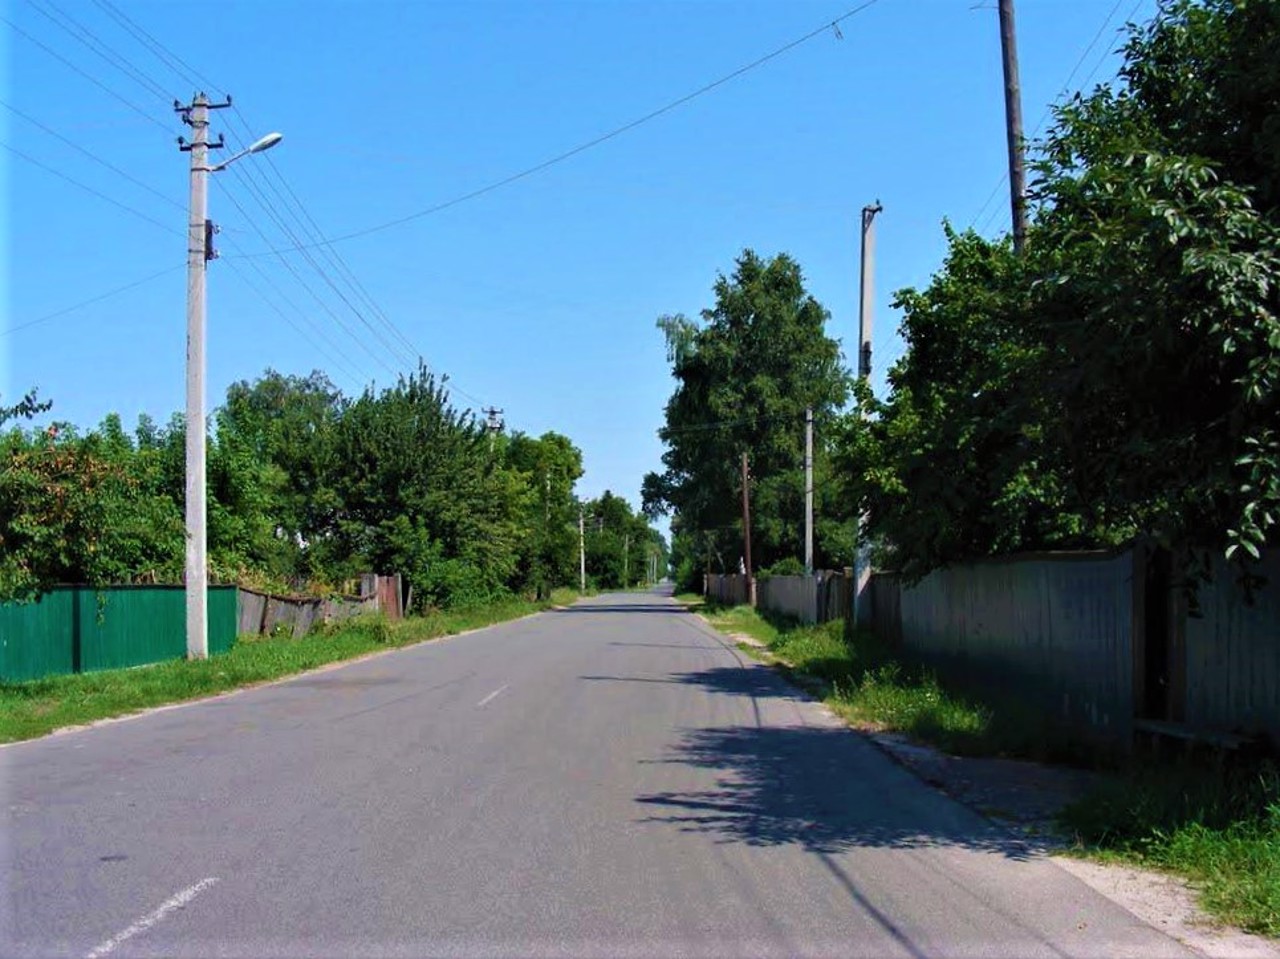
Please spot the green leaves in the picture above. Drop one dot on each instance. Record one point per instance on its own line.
(1121, 377)
(745, 375)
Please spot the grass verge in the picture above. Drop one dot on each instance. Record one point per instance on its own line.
(1218, 827)
(863, 681)
(37, 707)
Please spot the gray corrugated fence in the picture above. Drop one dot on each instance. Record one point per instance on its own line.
(729, 589)
(794, 596)
(1100, 640)
(1054, 630)
(819, 598)
(1233, 653)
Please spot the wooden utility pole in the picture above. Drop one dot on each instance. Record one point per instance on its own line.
(746, 531)
(1013, 125)
(808, 491)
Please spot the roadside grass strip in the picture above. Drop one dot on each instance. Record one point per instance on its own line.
(1216, 825)
(38, 707)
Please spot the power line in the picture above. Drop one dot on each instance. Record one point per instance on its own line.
(277, 215)
(1066, 86)
(92, 79)
(297, 212)
(247, 178)
(304, 284)
(96, 299)
(88, 189)
(162, 53)
(91, 155)
(603, 138)
(180, 67)
(339, 364)
(89, 39)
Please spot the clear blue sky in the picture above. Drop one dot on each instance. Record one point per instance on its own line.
(539, 297)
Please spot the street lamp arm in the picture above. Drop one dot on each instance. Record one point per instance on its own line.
(266, 143)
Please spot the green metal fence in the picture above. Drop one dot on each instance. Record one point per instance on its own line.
(75, 629)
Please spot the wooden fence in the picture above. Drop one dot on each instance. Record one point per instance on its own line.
(1102, 642)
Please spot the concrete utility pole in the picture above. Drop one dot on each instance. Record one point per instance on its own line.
(582, 552)
(866, 291)
(199, 252)
(494, 424)
(1013, 124)
(808, 491)
(746, 531)
(866, 282)
(626, 560)
(198, 255)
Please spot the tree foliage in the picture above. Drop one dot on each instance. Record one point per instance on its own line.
(744, 376)
(306, 489)
(1121, 377)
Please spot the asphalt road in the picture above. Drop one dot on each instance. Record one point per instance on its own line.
(611, 780)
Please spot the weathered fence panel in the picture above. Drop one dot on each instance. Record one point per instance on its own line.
(76, 629)
(728, 589)
(259, 612)
(835, 595)
(1054, 630)
(1233, 653)
(794, 596)
(267, 612)
(884, 593)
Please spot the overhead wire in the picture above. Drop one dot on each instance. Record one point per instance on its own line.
(94, 299)
(292, 204)
(92, 79)
(1063, 92)
(356, 378)
(88, 189)
(258, 191)
(85, 36)
(597, 141)
(123, 174)
(307, 286)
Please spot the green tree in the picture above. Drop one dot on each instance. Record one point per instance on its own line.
(548, 466)
(1123, 376)
(745, 376)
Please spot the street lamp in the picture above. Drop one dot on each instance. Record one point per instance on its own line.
(199, 252)
(266, 143)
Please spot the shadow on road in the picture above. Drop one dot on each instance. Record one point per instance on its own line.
(819, 788)
(825, 788)
(733, 680)
(669, 608)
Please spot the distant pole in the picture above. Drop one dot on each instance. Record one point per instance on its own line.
(1013, 124)
(808, 491)
(626, 560)
(746, 531)
(494, 424)
(582, 553)
(861, 555)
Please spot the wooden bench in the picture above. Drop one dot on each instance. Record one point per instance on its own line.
(1157, 729)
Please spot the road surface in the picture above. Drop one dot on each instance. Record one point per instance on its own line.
(609, 780)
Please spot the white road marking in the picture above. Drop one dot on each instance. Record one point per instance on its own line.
(149, 920)
(493, 695)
